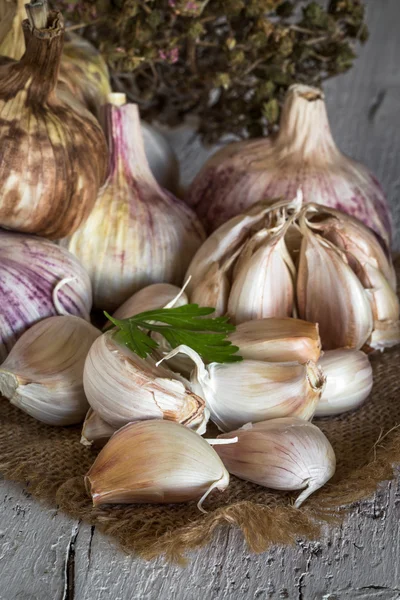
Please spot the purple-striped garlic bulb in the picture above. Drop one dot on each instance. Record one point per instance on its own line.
(303, 154)
(38, 279)
(138, 233)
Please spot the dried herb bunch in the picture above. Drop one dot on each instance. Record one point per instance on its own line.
(228, 61)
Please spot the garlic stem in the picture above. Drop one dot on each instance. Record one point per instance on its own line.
(117, 99)
(38, 13)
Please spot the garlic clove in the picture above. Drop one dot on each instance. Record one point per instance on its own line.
(151, 297)
(122, 387)
(95, 431)
(386, 334)
(348, 381)
(278, 340)
(330, 294)
(254, 390)
(282, 454)
(155, 462)
(213, 290)
(43, 374)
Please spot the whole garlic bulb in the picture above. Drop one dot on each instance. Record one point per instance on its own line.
(43, 374)
(158, 462)
(54, 158)
(282, 454)
(348, 381)
(303, 154)
(137, 233)
(254, 390)
(38, 279)
(122, 387)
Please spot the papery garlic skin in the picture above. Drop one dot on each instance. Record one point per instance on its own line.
(161, 158)
(282, 454)
(151, 297)
(54, 158)
(43, 374)
(278, 340)
(122, 387)
(137, 233)
(157, 462)
(13, 44)
(348, 381)
(303, 154)
(95, 431)
(254, 390)
(31, 271)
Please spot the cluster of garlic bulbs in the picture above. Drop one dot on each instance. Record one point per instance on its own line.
(289, 259)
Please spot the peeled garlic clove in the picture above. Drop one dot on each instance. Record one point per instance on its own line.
(43, 374)
(348, 381)
(161, 158)
(95, 431)
(263, 287)
(122, 387)
(137, 233)
(303, 154)
(253, 390)
(155, 462)
(330, 294)
(282, 454)
(54, 158)
(278, 340)
(151, 297)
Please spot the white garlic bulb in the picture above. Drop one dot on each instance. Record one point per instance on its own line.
(348, 381)
(158, 462)
(254, 390)
(122, 387)
(43, 374)
(281, 454)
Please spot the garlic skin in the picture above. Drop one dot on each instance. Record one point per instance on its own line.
(254, 390)
(161, 158)
(43, 374)
(122, 387)
(37, 280)
(348, 381)
(155, 462)
(95, 431)
(303, 154)
(157, 295)
(278, 340)
(54, 158)
(282, 454)
(12, 14)
(137, 233)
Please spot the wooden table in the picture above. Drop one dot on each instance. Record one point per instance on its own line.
(45, 555)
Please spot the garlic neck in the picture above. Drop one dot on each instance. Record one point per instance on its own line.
(304, 126)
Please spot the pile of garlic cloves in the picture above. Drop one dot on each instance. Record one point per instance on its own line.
(307, 291)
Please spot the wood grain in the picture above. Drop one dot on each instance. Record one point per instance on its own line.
(45, 555)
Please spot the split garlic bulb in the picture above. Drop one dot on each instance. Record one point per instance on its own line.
(37, 280)
(254, 390)
(348, 381)
(278, 340)
(122, 387)
(282, 454)
(53, 157)
(303, 154)
(137, 233)
(157, 295)
(157, 462)
(43, 374)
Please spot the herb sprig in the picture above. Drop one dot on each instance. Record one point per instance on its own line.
(182, 325)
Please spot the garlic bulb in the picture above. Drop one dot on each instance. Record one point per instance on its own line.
(43, 374)
(348, 381)
(122, 387)
(37, 279)
(138, 233)
(157, 295)
(282, 454)
(157, 462)
(303, 154)
(53, 158)
(254, 390)
(95, 430)
(278, 340)
(161, 158)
